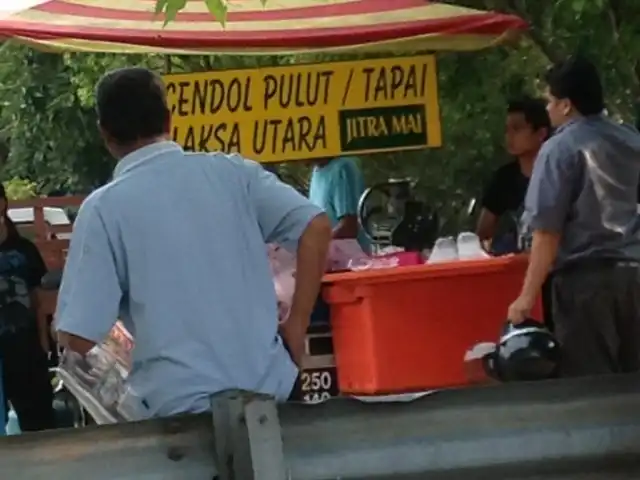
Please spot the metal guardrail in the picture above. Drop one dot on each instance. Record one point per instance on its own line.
(558, 429)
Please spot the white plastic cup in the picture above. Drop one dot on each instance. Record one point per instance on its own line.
(444, 250)
(469, 247)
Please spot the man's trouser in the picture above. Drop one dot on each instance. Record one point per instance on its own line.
(596, 312)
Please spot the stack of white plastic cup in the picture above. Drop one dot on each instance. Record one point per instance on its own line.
(444, 250)
(469, 247)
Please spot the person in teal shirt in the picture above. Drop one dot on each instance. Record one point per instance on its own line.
(336, 186)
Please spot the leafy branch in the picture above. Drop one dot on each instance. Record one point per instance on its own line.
(171, 8)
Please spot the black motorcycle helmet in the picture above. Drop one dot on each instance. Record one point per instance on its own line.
(527, 351)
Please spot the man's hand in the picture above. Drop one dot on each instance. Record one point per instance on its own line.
(294, 334)
(74, 343)
(543, 253)
(520, 310)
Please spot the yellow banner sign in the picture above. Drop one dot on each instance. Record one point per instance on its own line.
(308, 111)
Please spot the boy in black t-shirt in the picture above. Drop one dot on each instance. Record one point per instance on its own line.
(527, 128)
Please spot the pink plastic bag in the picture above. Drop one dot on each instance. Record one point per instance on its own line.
(283, 268)
(404, 258)
(344, 253)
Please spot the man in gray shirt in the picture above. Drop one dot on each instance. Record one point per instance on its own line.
(581, 207)
(175, 247)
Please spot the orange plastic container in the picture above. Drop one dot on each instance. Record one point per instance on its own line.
(408, 328)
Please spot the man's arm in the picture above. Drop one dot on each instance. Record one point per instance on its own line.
(486, 227)
(289, 219)
(547, 206)
(492, 207)
(91, 289)
(310, 267)
(345, 197)
(544, 250)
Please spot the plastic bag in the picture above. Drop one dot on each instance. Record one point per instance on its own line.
(283, 268)
(475, 363)
(374, 263)
(344, 253)
(99, 379)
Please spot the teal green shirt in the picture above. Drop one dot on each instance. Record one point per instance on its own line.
(336, 188)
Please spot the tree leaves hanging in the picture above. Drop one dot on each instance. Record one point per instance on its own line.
(170, 9)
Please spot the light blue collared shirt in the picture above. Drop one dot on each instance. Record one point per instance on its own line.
(175, 246)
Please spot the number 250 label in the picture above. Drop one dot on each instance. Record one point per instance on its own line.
(316, 381)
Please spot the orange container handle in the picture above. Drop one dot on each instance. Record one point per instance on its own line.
(345, 294)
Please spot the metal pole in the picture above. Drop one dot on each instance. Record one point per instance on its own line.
(247, 437)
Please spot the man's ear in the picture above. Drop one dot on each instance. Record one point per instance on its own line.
(566, 107)
(543, 134)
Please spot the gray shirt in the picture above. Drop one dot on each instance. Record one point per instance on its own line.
(584, 186)
(175, 246)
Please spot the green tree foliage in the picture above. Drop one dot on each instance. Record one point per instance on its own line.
(170, 8)
(20, 189)
(48, 131)
(605, 30)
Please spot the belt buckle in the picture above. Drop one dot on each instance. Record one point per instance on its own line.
(627, 264)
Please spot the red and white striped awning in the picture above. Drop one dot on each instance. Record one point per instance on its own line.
(282, 26)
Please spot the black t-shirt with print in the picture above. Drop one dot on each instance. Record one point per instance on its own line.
(506, 190)
(504, 197)
(30, 265)
(21, 270)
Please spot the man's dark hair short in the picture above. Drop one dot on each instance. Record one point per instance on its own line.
(577, 80)
(534, 111)
(131, 104)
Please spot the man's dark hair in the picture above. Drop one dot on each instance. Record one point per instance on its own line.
(131, 104)
(577, 80)
(534, 111)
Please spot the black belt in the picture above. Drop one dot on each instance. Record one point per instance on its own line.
(596, 264)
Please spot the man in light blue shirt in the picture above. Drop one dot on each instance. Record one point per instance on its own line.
(175, 247)
(336, 186)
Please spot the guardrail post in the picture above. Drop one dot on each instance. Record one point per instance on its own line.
(247, 437)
